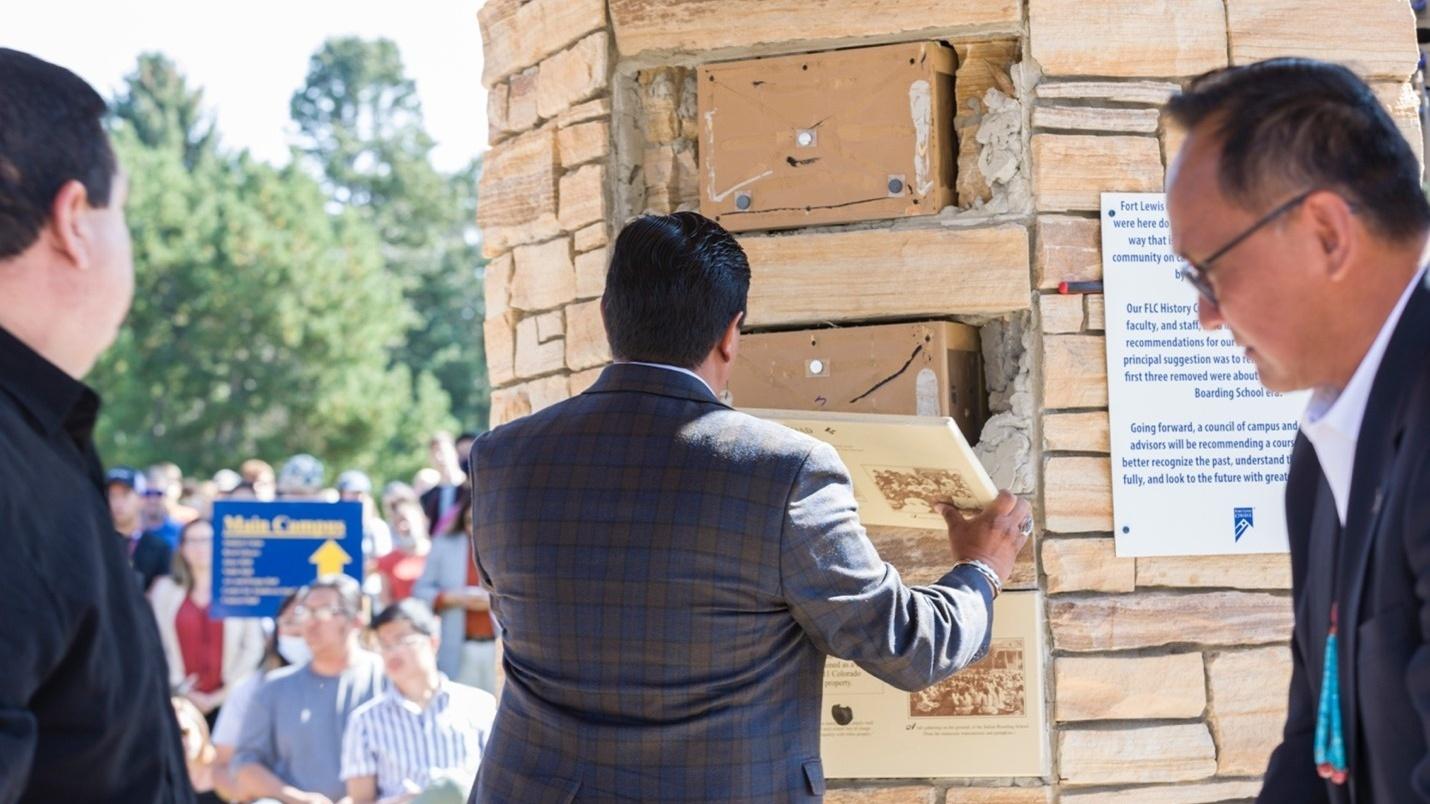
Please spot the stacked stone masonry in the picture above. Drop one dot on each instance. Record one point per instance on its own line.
(1166, 677)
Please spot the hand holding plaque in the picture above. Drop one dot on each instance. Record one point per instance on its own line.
(995, 536)
(901, 466)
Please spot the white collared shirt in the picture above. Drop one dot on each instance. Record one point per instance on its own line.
(674, 368)
(1332, 419)
(405, 745)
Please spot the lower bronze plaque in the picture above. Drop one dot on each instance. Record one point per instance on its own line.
(986, 720)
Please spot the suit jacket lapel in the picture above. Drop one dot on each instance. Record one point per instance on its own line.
(1375, 451)
(1317, 586)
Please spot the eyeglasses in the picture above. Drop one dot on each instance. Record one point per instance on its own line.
(402, 643)
(301, 614)
(1195, 272)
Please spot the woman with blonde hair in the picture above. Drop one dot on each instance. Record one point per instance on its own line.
(207, 656)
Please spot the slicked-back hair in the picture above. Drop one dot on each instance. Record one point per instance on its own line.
(51, 132)
(674, 284)
(1289, 125)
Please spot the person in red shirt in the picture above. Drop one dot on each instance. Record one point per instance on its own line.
(206, 656)
(401, 567)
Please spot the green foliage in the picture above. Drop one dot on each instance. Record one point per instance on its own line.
(447, 339)
(263, 324)
(363, 132)
(361, 125)
(162, 110)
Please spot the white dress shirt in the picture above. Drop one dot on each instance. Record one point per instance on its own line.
(674, 368)
(1332, 419)
(405, 745)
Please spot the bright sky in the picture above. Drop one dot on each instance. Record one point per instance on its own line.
(250, 57)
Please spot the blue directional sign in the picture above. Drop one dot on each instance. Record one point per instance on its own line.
(264, 551)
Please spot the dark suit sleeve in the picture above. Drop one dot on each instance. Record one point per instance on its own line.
(854, 606)
(1415, 530)
(1291, 774)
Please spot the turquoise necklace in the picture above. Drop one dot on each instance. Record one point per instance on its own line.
(1330, 746)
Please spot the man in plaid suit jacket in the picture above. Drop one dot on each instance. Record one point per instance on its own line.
(669, 574)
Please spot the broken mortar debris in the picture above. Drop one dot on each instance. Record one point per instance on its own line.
(628, 146)
(998, 123)
(1005, 446)
(664, 178)
(1002, 159)
(660, 99)
(689, 107)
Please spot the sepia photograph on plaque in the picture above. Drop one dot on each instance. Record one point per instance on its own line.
(900, 465)
(994, 687)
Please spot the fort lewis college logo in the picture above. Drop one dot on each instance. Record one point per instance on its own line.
(1243, 519)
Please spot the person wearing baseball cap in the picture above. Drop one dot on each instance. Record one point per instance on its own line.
(148, 553)
(301, 478)
(355, 486)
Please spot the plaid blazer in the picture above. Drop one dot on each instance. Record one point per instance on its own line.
(669, 575)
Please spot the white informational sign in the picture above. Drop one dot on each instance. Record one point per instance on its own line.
(1200, 449)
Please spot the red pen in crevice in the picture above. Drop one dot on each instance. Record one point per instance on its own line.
(1079, 287)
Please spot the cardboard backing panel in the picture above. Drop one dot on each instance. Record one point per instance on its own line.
(924, 369)
(832, 137)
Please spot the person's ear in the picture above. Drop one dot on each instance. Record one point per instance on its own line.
(1334, 228)
(730, 342)
(68, 226)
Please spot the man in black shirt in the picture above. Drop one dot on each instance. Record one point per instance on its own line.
(84, 704)
(149, 554)
(443, 503)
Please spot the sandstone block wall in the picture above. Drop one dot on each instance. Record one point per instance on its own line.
(1166, 676)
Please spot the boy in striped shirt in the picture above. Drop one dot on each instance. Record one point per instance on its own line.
(423, 739)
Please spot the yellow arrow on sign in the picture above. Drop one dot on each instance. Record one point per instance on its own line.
(330, 558)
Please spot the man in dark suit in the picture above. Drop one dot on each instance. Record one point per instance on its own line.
(669, 574)
(1297, 204)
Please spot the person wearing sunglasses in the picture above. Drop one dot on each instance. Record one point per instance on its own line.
(1298, 207)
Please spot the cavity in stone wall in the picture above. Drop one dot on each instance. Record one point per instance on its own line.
(980, 107)
(976, 100)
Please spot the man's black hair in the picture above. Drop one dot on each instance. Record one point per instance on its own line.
(411, 611)
(51, 132)
(674, 284)
(349, 591)
(1288, 125)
